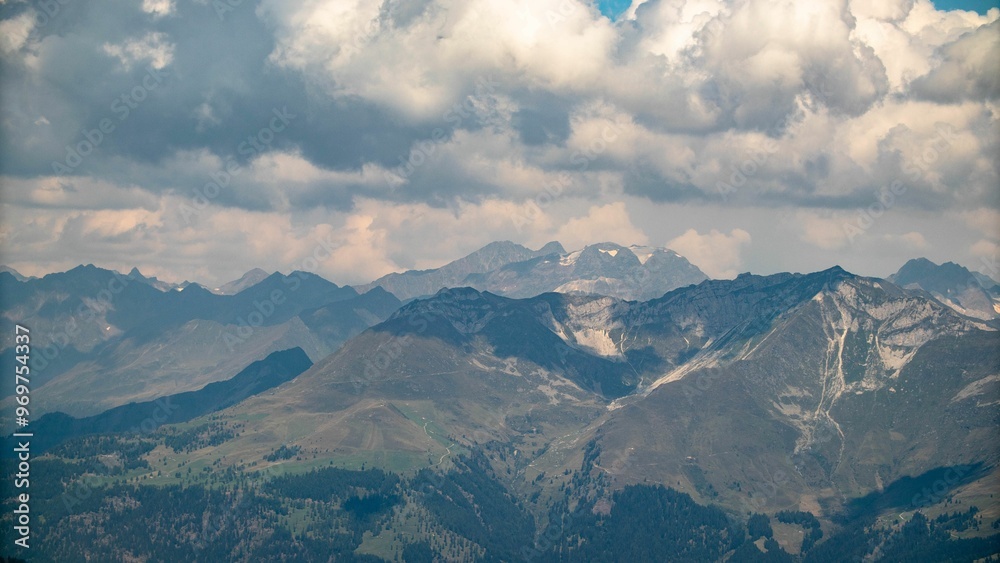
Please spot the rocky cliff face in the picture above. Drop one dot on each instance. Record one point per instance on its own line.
(969, 293)
(837, 383)
(422, 283)
(634, 273)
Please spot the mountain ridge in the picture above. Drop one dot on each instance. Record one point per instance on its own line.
(634, 273)
(791, 361)
(951, 284)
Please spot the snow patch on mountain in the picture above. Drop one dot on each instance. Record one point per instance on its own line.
(597, 341)
(570, 259)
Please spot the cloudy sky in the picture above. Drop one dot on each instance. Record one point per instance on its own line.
(197, 139)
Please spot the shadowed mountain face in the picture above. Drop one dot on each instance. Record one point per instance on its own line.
(830, 380)
(279, 367)
(102, 339)
(551, 428)
(249, 279)
(421, 283)
(953, 285)
(17, 275)
(634, 273)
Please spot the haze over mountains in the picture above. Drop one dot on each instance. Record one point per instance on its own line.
(420, 283)
(506, 268)
(110, 338)
(969, 293)
(104, 339)
(555, 381)
(117, 338)
(275, 369)
(796, 372)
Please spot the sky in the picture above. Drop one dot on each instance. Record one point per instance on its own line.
(198, 139)
(979, 6)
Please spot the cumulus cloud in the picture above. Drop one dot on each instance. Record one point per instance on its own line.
(831, 232)
(717, 254)
(152, 48)
(986, 249)
(14, 32)
(158, 8)
(525, 120)
(967, 68)
(601, 223)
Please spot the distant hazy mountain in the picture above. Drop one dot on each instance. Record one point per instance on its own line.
(136, 275)
(277, 368)
(249, 279)
(421, 283)
(634, 273)
(837, 383)
(505, 268)
(102, 339)
(841, 418)
(953, 285)
(17, 275)
(988, 283)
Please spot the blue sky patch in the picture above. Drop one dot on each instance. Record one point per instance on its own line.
(613, 8)
(980, 6)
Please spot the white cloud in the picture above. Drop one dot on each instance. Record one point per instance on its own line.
(717, 254)
(812, 107)
(158, 8)
(967, 69)
(607, 223)
(420, 60)
(14, 32)
(912, 240)
(984, 221)
(828, 232)
(154, 47)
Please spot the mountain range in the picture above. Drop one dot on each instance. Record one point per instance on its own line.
(505, 268)
(840, 383)
(106, 339)
(969, 293)
(614, 386)
(277, 368)
(103, 339)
